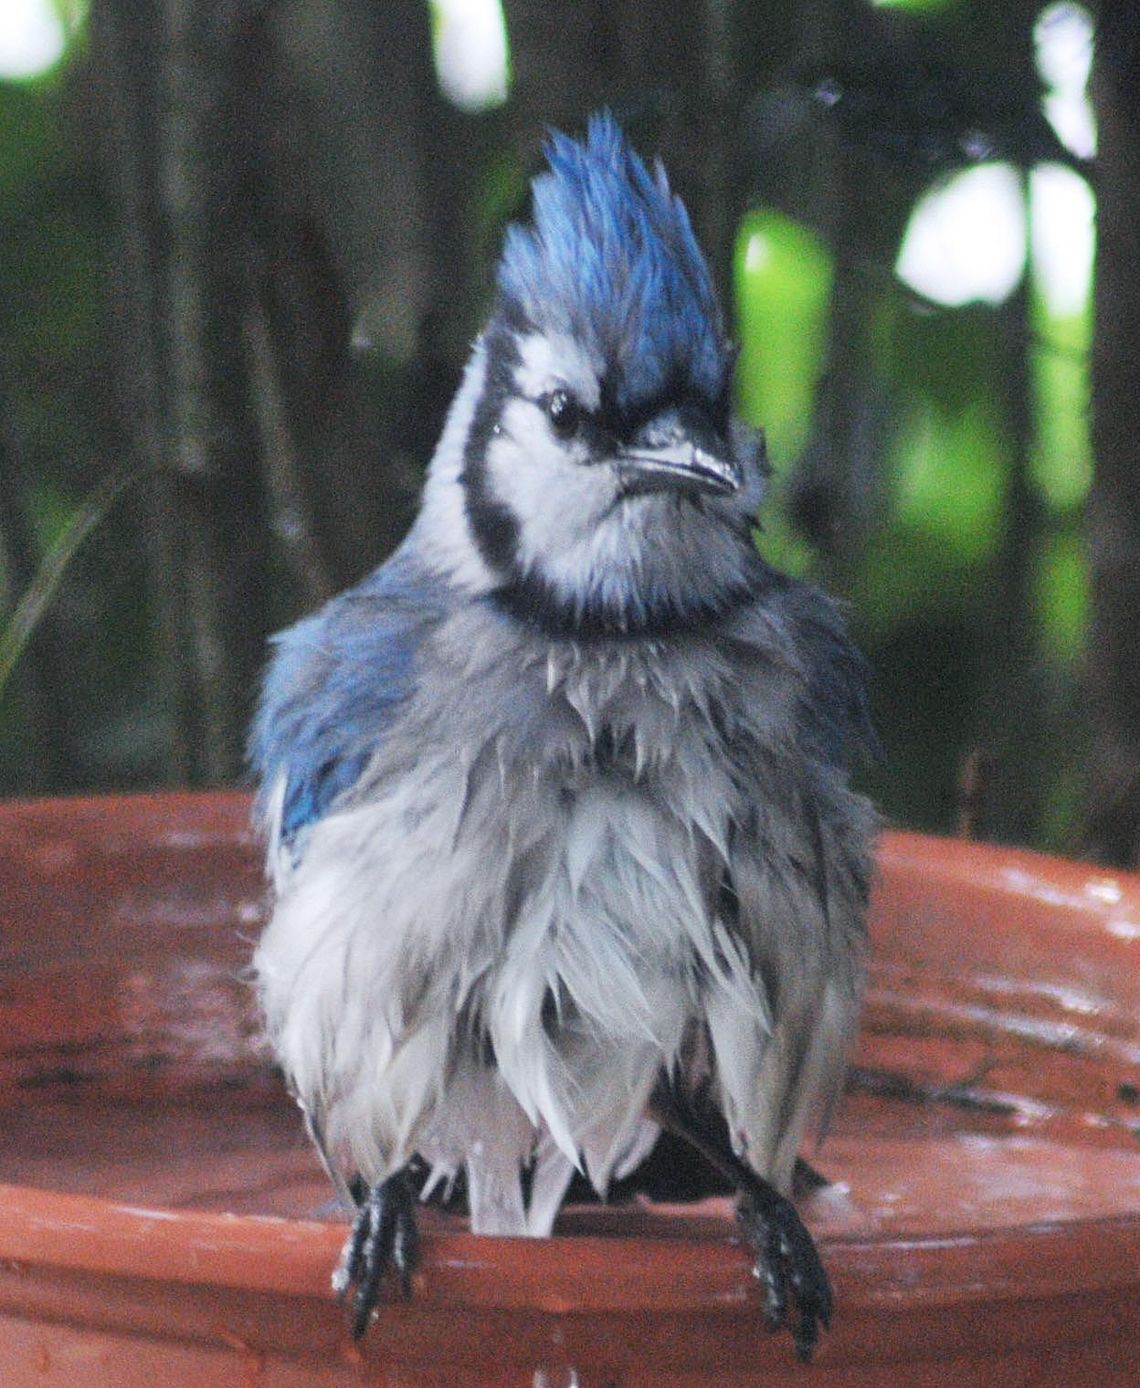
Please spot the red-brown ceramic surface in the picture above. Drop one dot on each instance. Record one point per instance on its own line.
(163, 1220)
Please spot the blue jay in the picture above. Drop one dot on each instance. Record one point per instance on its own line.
(562, 846)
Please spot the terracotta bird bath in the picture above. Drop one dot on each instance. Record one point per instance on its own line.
(164, 1222)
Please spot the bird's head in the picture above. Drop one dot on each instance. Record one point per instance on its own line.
(590, 465)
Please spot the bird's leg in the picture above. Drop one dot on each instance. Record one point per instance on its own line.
(796, 1288)
(383, 1236)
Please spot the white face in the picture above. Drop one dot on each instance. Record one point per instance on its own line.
(576, 527)
(566, 501)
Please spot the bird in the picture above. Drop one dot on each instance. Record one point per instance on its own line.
(562, 844)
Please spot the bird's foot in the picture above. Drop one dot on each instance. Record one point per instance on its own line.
(383, 1236)
(796, 1290)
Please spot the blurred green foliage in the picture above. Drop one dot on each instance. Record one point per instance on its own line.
(783, 278)
(922, 580)
(59, 446)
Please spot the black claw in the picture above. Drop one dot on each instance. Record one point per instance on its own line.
(770, 1269)
(788, 1266)
(383, 1236)
(806, 1179)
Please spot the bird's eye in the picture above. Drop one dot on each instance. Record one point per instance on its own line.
(564, 413)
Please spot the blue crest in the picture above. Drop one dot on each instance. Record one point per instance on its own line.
(612, 261)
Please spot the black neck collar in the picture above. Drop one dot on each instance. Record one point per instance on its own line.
(532, 599)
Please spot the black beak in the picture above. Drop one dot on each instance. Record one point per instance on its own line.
(678, 451)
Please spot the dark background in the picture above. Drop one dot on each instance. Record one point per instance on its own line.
(244, 248)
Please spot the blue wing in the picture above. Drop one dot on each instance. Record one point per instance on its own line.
(333, 685)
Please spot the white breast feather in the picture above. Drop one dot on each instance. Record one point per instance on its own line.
(393, 933)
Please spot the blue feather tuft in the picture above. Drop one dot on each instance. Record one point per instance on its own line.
(333, 686)
(611, 261)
